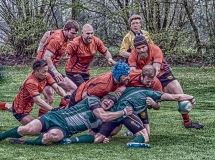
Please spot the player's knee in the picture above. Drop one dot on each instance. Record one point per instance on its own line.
(55, 135)
(24, 130)
(116, 130)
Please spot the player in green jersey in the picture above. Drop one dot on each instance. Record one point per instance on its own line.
(56, 125)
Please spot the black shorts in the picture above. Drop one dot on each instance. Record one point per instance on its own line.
(78, 78)
(72, 101)
(45, 129)
(106, 128)
(144, 117)
(166, 78)
(18, 116)
(52, 74)
(132, 123)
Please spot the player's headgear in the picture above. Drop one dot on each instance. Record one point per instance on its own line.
(111, 95)
(140, 40)
(119, 69)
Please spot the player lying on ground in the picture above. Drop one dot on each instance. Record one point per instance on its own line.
(139, 99)
(56, 125)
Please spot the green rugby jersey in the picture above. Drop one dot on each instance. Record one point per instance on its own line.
(75, 119)
(135, 97)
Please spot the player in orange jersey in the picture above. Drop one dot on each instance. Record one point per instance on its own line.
(30, 90)
(145, 53)
(102, 84)
(82, 51)
(52, 50)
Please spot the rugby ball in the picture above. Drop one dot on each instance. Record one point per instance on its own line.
(185, 107)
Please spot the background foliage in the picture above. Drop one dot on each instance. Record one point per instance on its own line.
(184, 29)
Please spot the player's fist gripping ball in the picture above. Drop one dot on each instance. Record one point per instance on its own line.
(185, 107)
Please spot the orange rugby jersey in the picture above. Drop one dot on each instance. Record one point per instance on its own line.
(97, 86)
(135, 81)
(155, 55)
(30, 88)
(56, 44)
(82, 54)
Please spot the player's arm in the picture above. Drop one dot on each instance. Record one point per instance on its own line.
(42, 41)
(59, 90)
(177, 97)
(107, 116)
(40, 102)
(152, 104)
(109, 58)
(48, 54)
(157, 67)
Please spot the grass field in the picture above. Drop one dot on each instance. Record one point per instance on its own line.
(168, 140)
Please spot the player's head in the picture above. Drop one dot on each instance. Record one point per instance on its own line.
(141, 46)
(109, 100)
(71, 29)
(148, 75)
(40, 68)
(135, 22)
(121, 72)
(87, 33)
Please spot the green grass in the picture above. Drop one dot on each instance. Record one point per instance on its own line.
(169, 139)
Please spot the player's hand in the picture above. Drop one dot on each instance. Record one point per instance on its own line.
(106, 140)
(111, 61)
(128, 111)
(150, 101)
(59, 77)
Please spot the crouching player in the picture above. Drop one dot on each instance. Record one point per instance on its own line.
(60, 124)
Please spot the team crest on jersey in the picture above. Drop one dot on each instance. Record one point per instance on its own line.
(143, 114)
(170, 77)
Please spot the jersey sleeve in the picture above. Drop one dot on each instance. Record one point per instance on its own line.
(125, 45)
(157, 55)
(156, 96)
(93, 102)
(32, 88)
(132, 60)
(53, 46)
(101, 47)
(71, 48)
(50, 80)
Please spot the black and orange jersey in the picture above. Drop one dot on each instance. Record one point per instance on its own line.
(155, 55)
(98, 86)
(81, 54)
(135, 81)
(56, 44)
(30, 88)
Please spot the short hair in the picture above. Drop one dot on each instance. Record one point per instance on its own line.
(39, 64)
(134, 17)
(149, 70)
(71, 24)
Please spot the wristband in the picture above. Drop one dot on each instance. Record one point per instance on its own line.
(124, 112)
